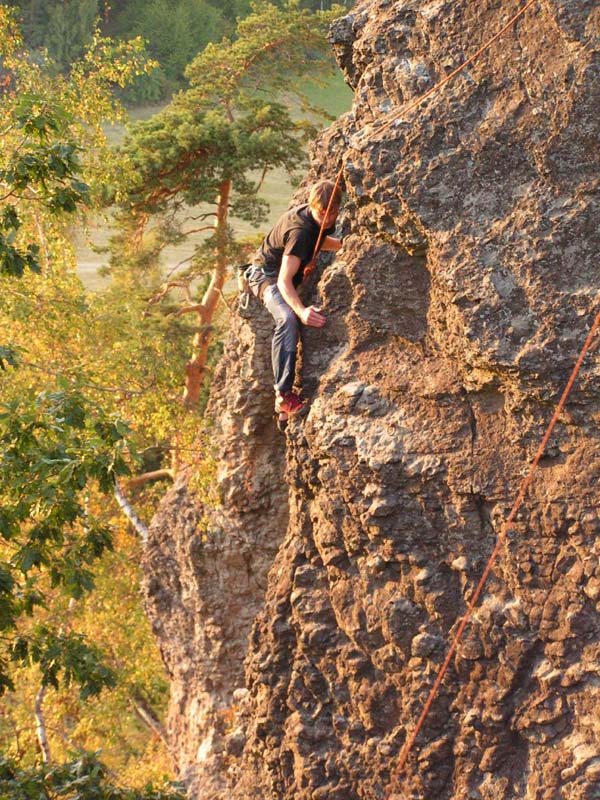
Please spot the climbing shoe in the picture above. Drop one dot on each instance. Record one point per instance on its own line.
(288, 403)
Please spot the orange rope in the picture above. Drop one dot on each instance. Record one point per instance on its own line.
(417, 102)
(501, 538)
(313, 262)
(453, 74)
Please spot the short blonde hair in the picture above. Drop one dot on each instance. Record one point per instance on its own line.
(320, 195)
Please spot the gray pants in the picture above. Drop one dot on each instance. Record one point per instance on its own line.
(287, 328)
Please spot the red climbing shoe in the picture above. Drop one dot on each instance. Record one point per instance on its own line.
(288, 403)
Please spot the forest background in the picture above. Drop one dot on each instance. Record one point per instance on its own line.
(103, 385)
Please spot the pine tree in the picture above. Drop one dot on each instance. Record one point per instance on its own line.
(206, 148)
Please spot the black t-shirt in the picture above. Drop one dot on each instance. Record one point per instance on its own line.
(295, 234)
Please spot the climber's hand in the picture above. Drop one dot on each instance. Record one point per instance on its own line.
(312, 317)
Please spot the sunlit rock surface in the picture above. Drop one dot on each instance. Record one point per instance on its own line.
(467, 284)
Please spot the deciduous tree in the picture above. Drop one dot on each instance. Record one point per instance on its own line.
(85, 778)
(62, 440)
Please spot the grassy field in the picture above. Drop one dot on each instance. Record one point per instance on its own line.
(335, 96)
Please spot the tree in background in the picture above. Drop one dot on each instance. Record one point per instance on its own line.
(69, 30)
(204, 157)
(175, 30)
(85, 779)
(63, 27)
(233, 10)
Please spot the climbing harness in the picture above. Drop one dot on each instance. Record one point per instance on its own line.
(396, 774)
(243, 279)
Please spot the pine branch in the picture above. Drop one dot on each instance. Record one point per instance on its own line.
(167, 288)
(197, 307)
(198, 230)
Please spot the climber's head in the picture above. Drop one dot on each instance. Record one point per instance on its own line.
(318, 200)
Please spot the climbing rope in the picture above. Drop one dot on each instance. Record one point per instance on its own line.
(313, 262)
(421, 99)
(534, 465)
(411, 106)
(496, 551)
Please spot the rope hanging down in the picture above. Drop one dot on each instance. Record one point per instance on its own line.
(496, 551)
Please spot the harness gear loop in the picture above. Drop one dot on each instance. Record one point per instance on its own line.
(244, 273)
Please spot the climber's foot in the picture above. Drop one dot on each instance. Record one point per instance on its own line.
(288, 403)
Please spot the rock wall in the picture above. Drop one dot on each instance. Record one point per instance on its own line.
(208, 555)
(466, 286)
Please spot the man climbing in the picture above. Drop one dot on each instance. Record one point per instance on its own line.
(277, 272)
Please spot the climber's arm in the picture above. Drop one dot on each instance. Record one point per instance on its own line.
(332, 244)
(285, 283)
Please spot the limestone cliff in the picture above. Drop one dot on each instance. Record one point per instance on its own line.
(468, 281)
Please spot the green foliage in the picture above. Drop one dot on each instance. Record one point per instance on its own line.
(8, 356)
(325, 5)
(85, 779)
(33, 20)
(232, 10)
(206, 149)
(50, 135)
(40, 167)
(73, 364)
(61, 439)
(93, 342)
(270, 47)
(111, 616)
(53, 445)
(40, 21)
(66, 656)
(14, 259)
(64, 28)
(176, 30)
(69, 30)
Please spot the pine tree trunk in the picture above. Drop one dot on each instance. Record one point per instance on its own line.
(196, 366)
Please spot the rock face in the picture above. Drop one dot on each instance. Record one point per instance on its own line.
(208, 555)
(467, 285)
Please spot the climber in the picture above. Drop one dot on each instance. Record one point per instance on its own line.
(276, 273)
